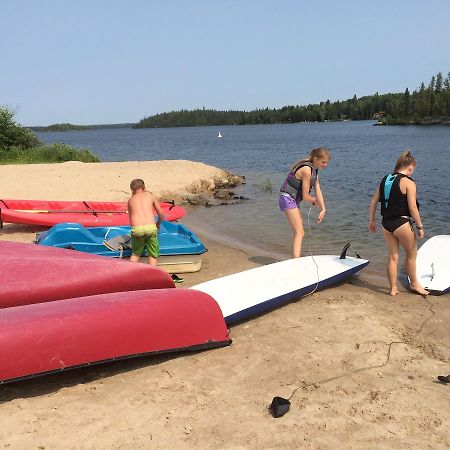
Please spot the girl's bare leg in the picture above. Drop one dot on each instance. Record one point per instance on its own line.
(294, 218)
(405, 234)
(393, 255)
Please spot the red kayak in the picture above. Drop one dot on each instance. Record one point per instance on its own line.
(33, 273)
(89, 214)
(50, 337)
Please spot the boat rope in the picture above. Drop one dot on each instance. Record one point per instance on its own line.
(312, 256)
(376, 366)
(316, 384)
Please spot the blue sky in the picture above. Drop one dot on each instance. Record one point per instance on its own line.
(96, 62)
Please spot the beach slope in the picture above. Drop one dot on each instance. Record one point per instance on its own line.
(359, 366)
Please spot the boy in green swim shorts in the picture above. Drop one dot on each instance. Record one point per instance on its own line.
(144, 229)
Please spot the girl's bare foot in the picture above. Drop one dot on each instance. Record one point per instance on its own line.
(418, 288)
(394, 291)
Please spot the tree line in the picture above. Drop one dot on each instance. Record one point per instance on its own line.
(425, 105)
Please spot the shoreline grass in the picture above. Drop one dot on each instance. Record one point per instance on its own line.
(46, 153)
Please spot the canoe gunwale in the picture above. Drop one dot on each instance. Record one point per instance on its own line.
(194, 348)
(88, 213)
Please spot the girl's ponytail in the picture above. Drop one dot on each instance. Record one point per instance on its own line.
(405, 160)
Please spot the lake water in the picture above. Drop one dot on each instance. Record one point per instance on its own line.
(361, 155)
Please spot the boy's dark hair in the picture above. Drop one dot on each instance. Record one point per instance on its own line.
(137, 184)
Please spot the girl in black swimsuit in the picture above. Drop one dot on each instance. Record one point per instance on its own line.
(392, 223)
(399, 208)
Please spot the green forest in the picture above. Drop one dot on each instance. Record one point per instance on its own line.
(427, 105)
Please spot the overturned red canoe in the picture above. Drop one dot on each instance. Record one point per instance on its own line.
(48, 337)
(32, 273)
(89, 214)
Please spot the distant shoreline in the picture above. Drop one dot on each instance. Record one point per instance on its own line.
(51, 129)
(72, 127)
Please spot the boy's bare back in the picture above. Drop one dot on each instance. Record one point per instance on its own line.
(141, 207)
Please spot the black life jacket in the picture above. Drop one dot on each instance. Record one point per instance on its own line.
(393, 202)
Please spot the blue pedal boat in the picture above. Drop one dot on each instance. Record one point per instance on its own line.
(180, 248)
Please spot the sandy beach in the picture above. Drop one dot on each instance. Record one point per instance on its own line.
(360, 365)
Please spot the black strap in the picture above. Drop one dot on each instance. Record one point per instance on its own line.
(90, 207)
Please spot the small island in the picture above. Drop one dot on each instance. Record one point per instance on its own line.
(72, 127)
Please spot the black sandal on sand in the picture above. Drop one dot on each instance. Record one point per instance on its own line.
(444, 379)
(176, 278)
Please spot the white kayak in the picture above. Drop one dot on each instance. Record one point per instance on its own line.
(246, 294)
(433, 264)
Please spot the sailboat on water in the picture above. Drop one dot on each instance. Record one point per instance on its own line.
(219, 135)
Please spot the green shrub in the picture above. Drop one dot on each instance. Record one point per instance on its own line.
(21, 146)
(12, 134)
(51, 153)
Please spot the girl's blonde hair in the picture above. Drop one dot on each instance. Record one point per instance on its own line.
(405, 160)
(319, 153)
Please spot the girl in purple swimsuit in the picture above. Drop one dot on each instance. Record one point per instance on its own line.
(399, 209)
(304, 176)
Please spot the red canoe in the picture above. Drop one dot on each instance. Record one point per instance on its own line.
(49, 337)
(89, 214)
(33, 273)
